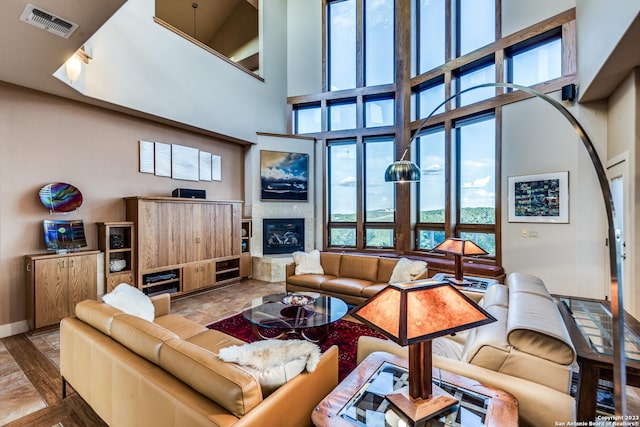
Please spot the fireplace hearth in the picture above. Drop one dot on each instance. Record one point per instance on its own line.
(282, 235)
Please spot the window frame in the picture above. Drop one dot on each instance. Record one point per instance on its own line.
(407, 86)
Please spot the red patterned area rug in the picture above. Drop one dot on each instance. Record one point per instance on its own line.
(342, 333)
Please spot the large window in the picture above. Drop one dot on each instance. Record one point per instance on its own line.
(429, 41)
(535, 62)
(379, 42)
(432, 188)
(343, 193)
(374, 102)
(476, 24)
(476, 182)
(342, 44)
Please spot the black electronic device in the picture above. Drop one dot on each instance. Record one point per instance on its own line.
(569, 92)
(189, 193)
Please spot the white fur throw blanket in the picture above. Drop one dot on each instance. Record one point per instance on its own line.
(269, 353)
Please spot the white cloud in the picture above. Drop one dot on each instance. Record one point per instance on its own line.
(349, 181)
(478, 183)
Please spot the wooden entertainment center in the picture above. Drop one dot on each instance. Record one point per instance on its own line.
(184, 245)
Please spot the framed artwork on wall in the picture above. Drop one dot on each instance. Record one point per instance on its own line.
(539, 198)
(163, 159)
(147, 164)
(205, 166)
(284, 176)
(216, 167)
(184, 162)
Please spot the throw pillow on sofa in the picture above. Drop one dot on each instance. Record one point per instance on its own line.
(273, 362)
(131, 301)
(407, 270)
(308, 263)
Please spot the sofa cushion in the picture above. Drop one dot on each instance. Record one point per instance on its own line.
(345, 285)
(486, 345)
(140, 336)
(308, 263)
(273, 362)
(97, 314)
(130, 300)
(371, 290)
(311, 280)
(536, 327)
(385, 269)
(407, 270)
(497, 295)
(182, 327)
(227, 384)
(359, 267)
(331, 263)
(521, 282)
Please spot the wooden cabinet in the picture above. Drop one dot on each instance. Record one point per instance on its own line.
(56, 283)
(181, 243)
(246, 261)
(196, 276)
(116, 240)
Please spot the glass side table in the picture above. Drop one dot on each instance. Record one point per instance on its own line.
(360, 399)
(589, 324)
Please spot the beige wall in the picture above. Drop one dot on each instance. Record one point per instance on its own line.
(47, 139)
(571, 258)
(624, 138)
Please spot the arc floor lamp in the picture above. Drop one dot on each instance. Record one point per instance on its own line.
(406, 171)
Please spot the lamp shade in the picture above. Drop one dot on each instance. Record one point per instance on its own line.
(402, 171)
(457, 246)
(413, 312)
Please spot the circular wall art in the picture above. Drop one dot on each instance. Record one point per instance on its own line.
(60, 197)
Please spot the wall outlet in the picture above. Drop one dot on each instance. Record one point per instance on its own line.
(524, 233)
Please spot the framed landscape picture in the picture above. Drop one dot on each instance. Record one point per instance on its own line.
(539, 198)
(284, 176)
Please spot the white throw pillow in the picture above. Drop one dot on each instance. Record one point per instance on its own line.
(308, 263)
(273, 362)
(406, 270)
(130, 300)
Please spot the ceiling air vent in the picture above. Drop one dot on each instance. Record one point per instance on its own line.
(48, 21)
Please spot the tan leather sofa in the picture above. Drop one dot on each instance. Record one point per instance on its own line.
(352, 278)
(527, 352)
(133, 372)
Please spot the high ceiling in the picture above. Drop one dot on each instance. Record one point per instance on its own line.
(31, 55)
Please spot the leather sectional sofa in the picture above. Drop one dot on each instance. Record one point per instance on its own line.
(164, 373)
(527, 352)
(352, 278)
(356, 277)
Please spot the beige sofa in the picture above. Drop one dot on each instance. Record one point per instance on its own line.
(352, 278)
(133, 372)
(527, 352)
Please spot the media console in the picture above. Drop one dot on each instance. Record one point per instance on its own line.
(185, 245)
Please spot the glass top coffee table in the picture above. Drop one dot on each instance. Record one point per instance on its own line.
(305, 314)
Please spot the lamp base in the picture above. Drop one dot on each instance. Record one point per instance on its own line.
(419, 409)
(457, 282)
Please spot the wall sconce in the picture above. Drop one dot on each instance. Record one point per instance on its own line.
(73, 66)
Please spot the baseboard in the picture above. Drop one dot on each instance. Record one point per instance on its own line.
(16, 328)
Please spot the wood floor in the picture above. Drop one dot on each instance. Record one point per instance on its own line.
(34, 360)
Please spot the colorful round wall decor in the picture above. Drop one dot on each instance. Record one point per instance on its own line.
(60, 197)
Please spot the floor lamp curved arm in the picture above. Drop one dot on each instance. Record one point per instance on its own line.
(617, 306)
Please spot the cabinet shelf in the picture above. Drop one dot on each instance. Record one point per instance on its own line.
(115, 239)
(123, 250)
